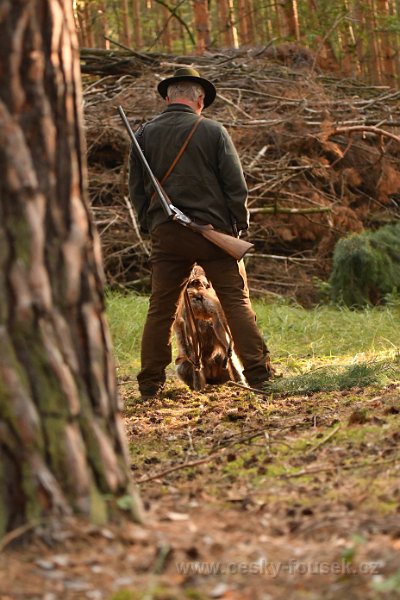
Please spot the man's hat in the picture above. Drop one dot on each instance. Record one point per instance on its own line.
(189, 74)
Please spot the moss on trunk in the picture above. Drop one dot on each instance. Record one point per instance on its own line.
(61, 445)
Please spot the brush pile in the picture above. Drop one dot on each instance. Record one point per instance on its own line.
(321, 157)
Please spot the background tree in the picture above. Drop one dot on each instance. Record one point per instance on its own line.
(137, 25)
(354, 37)
(289, 8)
(126, 22)
(61, 442)
(201, 25)
(226, 25)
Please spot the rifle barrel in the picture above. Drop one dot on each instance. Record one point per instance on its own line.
(157, 187)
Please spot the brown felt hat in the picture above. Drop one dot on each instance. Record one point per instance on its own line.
(189, 74)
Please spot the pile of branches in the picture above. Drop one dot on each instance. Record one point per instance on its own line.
(321, 157)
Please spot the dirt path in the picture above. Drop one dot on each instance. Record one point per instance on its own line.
(286, 498)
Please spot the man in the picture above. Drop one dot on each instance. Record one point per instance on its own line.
(207, 184)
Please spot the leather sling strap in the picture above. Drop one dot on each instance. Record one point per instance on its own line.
(194, 333)
(181, 151)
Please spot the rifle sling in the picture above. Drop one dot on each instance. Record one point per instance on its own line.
(194, 333)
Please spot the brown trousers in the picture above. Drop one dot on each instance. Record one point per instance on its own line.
(174, 251)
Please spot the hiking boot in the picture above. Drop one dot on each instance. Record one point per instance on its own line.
(147, 394)
(258, 384)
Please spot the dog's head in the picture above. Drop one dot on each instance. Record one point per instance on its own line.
(201, 294)
(198, 280)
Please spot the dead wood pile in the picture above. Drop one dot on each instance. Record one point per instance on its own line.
(321, 157)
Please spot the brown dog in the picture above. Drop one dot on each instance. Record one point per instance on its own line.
(204, 342)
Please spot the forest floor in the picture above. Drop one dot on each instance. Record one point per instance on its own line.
(248, 497)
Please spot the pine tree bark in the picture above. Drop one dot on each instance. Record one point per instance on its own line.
(126, 30)
(88, 20)
(202, 25)
(166, 35)
(243, 23)
(290, 11)
(224, 26)
(387, 47)
(137, 25)
(103, 25)
(62, 447)
(374, 66)
(350, 63)
(357, 17)
(251, 27)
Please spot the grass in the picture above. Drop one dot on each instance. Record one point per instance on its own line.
(327, 332)
(323, 348)
(337, 377)
(126, 314)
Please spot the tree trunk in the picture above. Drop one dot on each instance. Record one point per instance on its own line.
(351, 63)
(358, 18)
(374, 66)
(251, 26)
(277, 22)
(137, 25)
(232, 24)
(61, 442)
(290, 11)
(88, 24)
(224, 28)
(387, 48)
(243, 23)
(102, 25)
(166, 33)
(126, 30)
(202, 25)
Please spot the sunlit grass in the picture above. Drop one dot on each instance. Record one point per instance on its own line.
(126, 314)
(300, 340)
(300, 337)
(343, 377)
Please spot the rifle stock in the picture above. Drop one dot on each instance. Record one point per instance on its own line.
(235, 247)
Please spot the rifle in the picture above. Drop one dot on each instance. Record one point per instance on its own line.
(233, 246)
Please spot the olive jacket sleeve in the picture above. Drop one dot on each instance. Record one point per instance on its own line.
(232, 180)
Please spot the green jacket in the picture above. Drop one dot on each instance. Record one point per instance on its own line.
(207, 183)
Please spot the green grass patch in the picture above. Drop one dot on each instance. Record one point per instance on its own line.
(297, 334)
(126, 314)
(339, 377)
(350, 348)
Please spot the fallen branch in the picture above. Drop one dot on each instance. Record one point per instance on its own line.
(212, 456)
(135, 225)
(305, 472)
(276, 210)
(294, 259)
(326, 439)
(249, 389)
(367, 129)
(193, 463)
(13, 535)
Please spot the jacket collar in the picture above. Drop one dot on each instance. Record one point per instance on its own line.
(179, 108)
